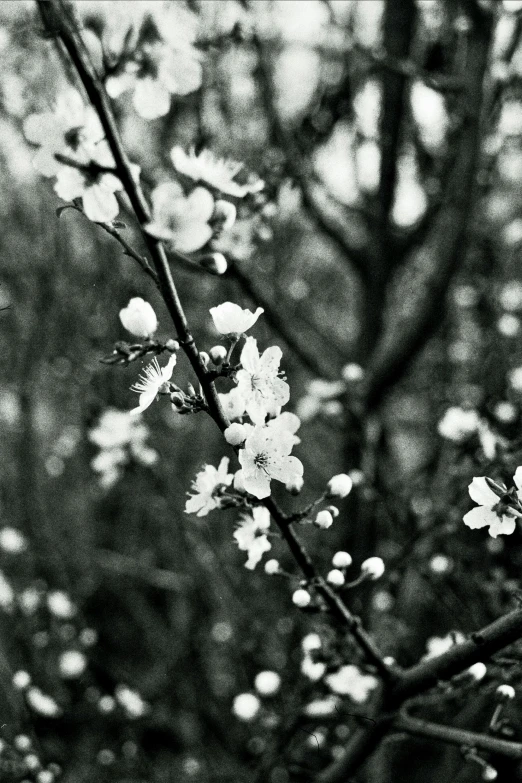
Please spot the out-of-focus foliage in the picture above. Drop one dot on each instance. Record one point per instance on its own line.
(140, 622)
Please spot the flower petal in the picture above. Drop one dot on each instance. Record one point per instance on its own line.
(481, 492)
(480, 517)
(151, 99)
(502, 527)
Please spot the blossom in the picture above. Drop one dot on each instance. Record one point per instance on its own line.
(181, 221)
(206, 485)
(373, 568)
(251, 535)
(96, 189)
(340, 485)
(324, 519)
(71, 129)
(259, 383)
(267, 683)
(350, 681)
(42, 703)
(438, 645)
(342, 560)
(60, 605)
(236, 434)
(286, 422)
(12, 541)
(216, 172)
(246, 706)
(458, 424)
(301, 598)
(151, 381)
(72, 664)
(232, 403)
(131, 701)
(500, 518)
(230, 318)
(505, 692)
(139, 318)
(265, 456)
(335, 578)
(157, 72)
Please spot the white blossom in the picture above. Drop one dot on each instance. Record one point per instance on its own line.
(60, 605)
(42, 703)
(139, 318)
(232, 403)
(230, 318)
(21, 680)
(342, 560)
(506, 692)
(267, 683)
(182, 222)
(206, 485)
(458, 424)
(321, 708)
(151, 381)
(350, 681)
(438, 645)
(219, 173)
(265, 456)
(301, 598)
(72, 664)
(246, 706)
(259, 383)
(335, 577)
(501, 519)
(235, 434)
(12, 541)
(323, 520)
(373, 568)
(272, 567)
(95, 189)
(515, 379)
(131, 701)
(340, 486)
(251, 535)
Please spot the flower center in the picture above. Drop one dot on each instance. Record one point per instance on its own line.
(261, 462)
(73, 138)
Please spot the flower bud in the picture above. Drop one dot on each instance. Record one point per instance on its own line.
(295, 486)
(246, 706)
(341, 560)
(334, 511)
(478, 671)
(301, 598)
(339, 486)
(352, 372)
(490, 773)
(172, 345)
(139, 318)
(21, 680)
(312, 641)
(335, 578)
(235, 434)
(323, 520)
(373, 568)
(215, 263)
(272, 567)
(267, 683)
(505, 692)
(224, 214)
(205, 358)
(218, 354)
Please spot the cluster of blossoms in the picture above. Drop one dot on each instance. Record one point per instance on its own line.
(120, 437)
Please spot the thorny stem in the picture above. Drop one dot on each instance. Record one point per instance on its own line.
(59, 21)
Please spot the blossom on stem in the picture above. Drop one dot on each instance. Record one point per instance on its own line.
(350, 681)
(230, 318)
(181, 221)
(259, 383)
(139, 318)
(150, 382)
(490, 511)
(219, 173)
(265, 456)
(251, 535)
(206, 486)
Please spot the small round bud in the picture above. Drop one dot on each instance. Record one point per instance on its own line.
(334, 511)
(339, 486)
(246, 706)
(172, 345)
(323, 520)
(352, 372)
(21, 680)
(341, 560)
(335, 578)
(272, 566)
(301, 598)
(490, 773)
(267, 683)
(32, 762)
(22, 742)
(505, 692)
(215, 263)
(45, 776)
(478, 671)
(310, 642)
(373, 568)
(235, 434)
(218, 354)
(139, 318)
(295, 486)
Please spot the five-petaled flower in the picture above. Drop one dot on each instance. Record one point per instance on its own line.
(181, 221)
(265, 456)
(350, 681)
(259, 383)
(230, 318)
(150, 382)
(206, 486)
(219, 173)
(499, 514)
(251, 535)
(139, 318)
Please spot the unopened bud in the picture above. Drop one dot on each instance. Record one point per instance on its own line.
(301, 598)
(505, 692)
(478, 671)
(218, 354)
(335, 577)
(215, 263)
(334, 511)
(272, 567)
(295, 486)
(205, 358)
(373, 568)
(352, 372)
(172, 345)
(489, 773)
(342, 560)
(139, 318)
(339, 486)
(323, 520)
(235, 434)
